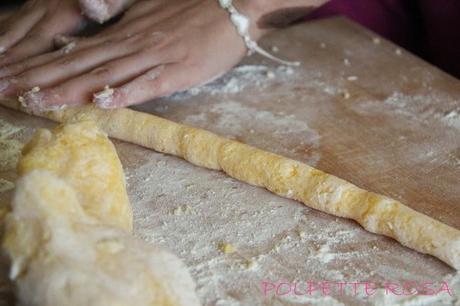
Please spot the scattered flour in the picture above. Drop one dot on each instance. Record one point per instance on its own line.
(5, 185)
(235, 120)
(452, 119)
(273, 238)
(10, 148)
(238, 79)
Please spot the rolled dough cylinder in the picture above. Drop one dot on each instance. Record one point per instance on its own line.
(285, 177)
(69, 245)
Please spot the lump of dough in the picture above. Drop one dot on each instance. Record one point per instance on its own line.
(68, 232)
(83, 156)
(61, 256)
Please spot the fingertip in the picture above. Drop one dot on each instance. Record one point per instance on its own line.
(38, 100)
(104, 98)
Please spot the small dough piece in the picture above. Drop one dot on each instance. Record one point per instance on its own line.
(281, 175)
(67, 250)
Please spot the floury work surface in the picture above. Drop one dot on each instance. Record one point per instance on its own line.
(359, 108)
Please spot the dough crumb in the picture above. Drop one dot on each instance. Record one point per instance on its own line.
(275, 49)
(346, 95)
(22, 101)
(69, 47)
(398, 51)
(181, 210)
(303, 235)
(226, 248)
(376, 40)
(346, 62)
(270, 74)
(322, 45)
(104, 98)
(352, 78)
(251, 264)
(35, 89)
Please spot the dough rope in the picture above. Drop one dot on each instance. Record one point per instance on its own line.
(68, 232)
(285, 177)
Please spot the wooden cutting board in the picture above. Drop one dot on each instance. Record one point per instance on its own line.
(358, 107)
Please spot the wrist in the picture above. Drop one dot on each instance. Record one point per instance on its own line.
(246, 26)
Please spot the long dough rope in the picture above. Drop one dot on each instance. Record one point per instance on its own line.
(285, 177)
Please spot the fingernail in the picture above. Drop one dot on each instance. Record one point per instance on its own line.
(2, 50)
(104, 98)
(36, 101)
(33, 100)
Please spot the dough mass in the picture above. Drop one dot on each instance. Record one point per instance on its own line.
(68, 234)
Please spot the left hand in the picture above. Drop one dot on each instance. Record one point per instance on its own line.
(157, 48)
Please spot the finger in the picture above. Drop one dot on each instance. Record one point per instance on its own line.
(79, 90)
(20, 67)
(18, 25)
(160, 81)
(40, 38)
(4, 15)
(33, 44)
(74, 64)
(102, 10)
(67, 45)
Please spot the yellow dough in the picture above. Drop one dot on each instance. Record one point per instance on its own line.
(68, 232)
(283, 176)
(84, 157)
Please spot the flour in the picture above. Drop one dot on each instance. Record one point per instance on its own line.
(239, 79)
(10, 148)
(452, 119)
(5, 185)
(231, 119)
(271, 237)
(104, 98)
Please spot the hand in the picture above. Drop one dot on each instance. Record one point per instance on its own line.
(157, 48)
(30, 30)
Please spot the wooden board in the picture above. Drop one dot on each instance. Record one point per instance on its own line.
(358, 108)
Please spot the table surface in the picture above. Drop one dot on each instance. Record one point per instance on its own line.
(359, 108)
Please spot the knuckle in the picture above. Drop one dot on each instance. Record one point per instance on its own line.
(66, 62)
(37, 34)
(25, 79)
(102, 72)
